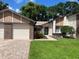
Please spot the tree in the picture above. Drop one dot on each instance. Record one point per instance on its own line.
(35, 11)
(59, 8)
(42, 13)
(3, 5)
(71, 7)
(64, 9)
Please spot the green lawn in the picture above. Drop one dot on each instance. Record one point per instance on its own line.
(61, 49)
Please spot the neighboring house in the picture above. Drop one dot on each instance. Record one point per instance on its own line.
(15, 26)
(69, 20)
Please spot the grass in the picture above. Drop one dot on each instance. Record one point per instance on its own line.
(61, 49)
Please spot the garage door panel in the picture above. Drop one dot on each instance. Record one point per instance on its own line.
(20, 31)
(1, 31)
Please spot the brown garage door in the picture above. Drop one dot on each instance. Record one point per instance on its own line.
(8, 31)
(77, 24)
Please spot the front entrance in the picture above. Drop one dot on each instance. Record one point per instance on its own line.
(8, 31)
(46, 31)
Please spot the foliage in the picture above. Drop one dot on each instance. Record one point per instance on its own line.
(42, 13)
(3, 5)
(35, 12)
(64, 8)
(38, 35)
(67, 30)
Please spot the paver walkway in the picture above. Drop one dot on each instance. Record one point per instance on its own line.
(14, 49)
(45, 39)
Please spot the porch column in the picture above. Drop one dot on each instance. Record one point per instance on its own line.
(54, 26)
(50, 28)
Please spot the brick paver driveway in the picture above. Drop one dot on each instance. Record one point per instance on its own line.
(14, 49)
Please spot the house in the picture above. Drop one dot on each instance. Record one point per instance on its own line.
(39, 26)
(69, 20)
(45, 27)
(53, 28)
(15, 26)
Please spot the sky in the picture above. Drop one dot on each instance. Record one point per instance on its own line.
(17, 4)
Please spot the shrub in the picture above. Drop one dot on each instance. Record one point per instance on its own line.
(38, 35)
(67, 30)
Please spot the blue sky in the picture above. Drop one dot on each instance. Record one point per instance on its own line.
(17, 4)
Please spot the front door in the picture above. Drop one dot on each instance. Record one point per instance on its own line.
(46, 31)
(8, 31)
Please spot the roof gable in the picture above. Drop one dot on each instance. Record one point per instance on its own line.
(26, 18)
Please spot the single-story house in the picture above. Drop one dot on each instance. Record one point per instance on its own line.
(54, 27)
(15, 26)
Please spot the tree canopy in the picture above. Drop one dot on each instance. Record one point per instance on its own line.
(35, 12)
(3, 5)
(43, 13)
(64, 8)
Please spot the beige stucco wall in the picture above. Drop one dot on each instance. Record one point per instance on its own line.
(16, 18)
(59, 21)
(7, 16)
(65, 23)
(70, 21)
(50, 26)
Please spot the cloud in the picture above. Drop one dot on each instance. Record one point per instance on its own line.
(72, 0)
(32, 0)
(18, 1)
(17, 10)
(10, 7)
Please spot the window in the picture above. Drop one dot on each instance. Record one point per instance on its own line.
(58, 29)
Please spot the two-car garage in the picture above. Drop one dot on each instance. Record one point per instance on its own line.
(21, 31)
(15, 26)
(14, 31)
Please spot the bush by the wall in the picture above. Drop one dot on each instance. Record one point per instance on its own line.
(67, 30)
(38, 35)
